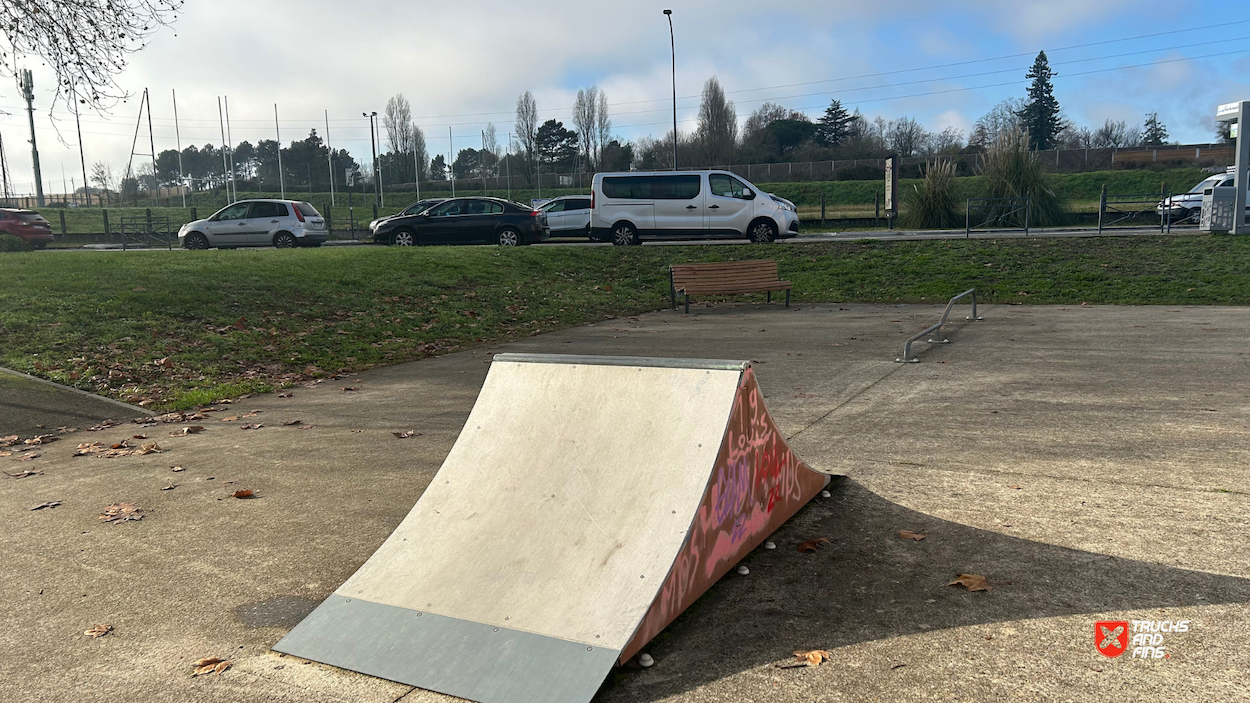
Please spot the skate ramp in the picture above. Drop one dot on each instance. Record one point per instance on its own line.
(587, 502)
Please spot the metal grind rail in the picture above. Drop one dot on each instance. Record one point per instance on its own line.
(908, 358)
(1003, 214)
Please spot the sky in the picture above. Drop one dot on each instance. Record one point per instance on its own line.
(463, 64)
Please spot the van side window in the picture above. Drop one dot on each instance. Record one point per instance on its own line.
(725, 186)
(1228, 183)
(675, 187)
(627, 187)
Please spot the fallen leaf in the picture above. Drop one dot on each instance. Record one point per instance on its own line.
(192, 429)
(814, 657)
(305, 427)
(149, 448)
(247, 493)
(170, 487)
(285, 395)
(176, 469)
(1015, 487)
(8, 441)
(972, 582)
(49, 504)
(240, 324)
(291, 423)
(406, 435)
(121, 512)
(41, 439)
(98, 630)
(250, 427)
(222, 666)
(24, 474)
(27, 457)
(348, 389)
(908, 534)
(89, 448)
(232, 418)
(210, 665)
(812, 545)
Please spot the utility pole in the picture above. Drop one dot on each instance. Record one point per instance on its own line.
(508, 166)
(4, 173)
(673, 45)
(156, 183)
(230, 143)
(86, 187)
(330, 158)
(27, 86)
(178, 136)
(277, 131)
(451, 154)
(373, 144)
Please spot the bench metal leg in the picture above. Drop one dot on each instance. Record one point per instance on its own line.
(686, 297)
(787, 297)
(672, 298)
(769, 299)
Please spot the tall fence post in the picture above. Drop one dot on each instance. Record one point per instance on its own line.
(194, 216)
(876, 207)
(822, 209)
(63, 230)
(1028, 210)
(968, 219)
(1102, 206)
(1163, 208)
(107, 232)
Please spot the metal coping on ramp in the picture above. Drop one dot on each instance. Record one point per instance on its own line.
(587, 502)
(647, 361)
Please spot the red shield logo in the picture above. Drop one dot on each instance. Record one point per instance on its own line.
(1111, 637)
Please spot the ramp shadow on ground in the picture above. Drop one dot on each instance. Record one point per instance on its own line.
(870, 584)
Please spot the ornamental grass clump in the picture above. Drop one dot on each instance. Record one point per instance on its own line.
(932, 204)
(1012, 171)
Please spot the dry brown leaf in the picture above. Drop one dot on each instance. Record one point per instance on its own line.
(291, 423)
(814, 657)
(8, 441)
(191, 429)
(247, 493)
(812, 545)
(41, 439)
(972, 582)
(232, 418)
(348, 389)
(285, 395)
(176, 469)
(98, 630)
(207, 661)
(170, 487)
(240, 324)
(908, 534)
(121, 512)
(49, 504)
(305, 427)
(1015, 487)
(221, 666)
(140, 436)
(406, 435)
(250, 427)
(210, 665)
(24, 474)
(149, 448)
(89, 448)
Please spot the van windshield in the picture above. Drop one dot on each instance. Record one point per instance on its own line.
(1207, 183)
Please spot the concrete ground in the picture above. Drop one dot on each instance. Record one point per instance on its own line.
(30, 406)
(1090, 462)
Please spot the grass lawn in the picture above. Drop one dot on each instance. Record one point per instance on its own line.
(177, 329)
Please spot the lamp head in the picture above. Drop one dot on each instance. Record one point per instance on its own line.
(668, 12)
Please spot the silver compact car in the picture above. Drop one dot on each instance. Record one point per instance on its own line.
(257, 223)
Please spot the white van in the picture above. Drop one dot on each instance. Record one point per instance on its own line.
(629, 207)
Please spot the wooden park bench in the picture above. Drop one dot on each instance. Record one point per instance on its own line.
(725, 277)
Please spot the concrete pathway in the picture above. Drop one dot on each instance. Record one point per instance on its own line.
(1090, 462)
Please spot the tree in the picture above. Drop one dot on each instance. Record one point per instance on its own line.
(834, 127)
(420, 154)
(1154, 132)
(763, 116)
(948, 141)
(1040, 115)
(603, 125)
(717, 133)
(245, 160)
(905, 136)
(167, 166)
(102, 177)
(616, 157)
(85, 42)
(400, 135)
(468, 164)
(586, 123)
(1116, 134)
(1003, 117)
(1224, 132)
(527, 127)
(555, 146)
(438, 169)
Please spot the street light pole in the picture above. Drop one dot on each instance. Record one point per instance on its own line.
(373, 144)
(673, 45)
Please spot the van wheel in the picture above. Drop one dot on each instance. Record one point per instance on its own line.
(762, 232)
(624, 234)
(284, 240)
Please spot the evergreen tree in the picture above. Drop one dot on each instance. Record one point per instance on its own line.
(835, 126)
(1154, 133)
(1040, 114)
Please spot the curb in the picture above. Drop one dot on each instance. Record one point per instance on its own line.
(132, 408)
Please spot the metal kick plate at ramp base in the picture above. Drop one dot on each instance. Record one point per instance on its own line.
(448, 655)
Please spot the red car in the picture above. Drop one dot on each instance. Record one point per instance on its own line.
(28, 225)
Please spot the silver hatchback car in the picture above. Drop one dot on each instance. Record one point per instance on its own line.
(257, 223)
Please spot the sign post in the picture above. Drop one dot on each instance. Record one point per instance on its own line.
(1239, 115)
(891, 189)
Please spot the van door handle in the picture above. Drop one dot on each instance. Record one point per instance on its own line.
(242, 224)
(713, 207)
(273, 222)
(690, 207)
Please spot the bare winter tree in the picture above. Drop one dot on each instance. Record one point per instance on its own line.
(420, 155)
(490, 147)
(905, 136)
(527, 126)
(763, 116)
(586, 122)
(603, 128)
(102, 177)
(1003, 117)
(948, 141)
(85, 42)
(717, 133)
(397, 119)
(1116, 134)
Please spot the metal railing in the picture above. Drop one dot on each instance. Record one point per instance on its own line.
(1001, 211)
(908, 358)
(1134, 210)
(145, 232)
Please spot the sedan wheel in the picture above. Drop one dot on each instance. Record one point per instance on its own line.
(284, 240)
(404, 238)
(509, 238)
(624, 235)
(763, 232)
